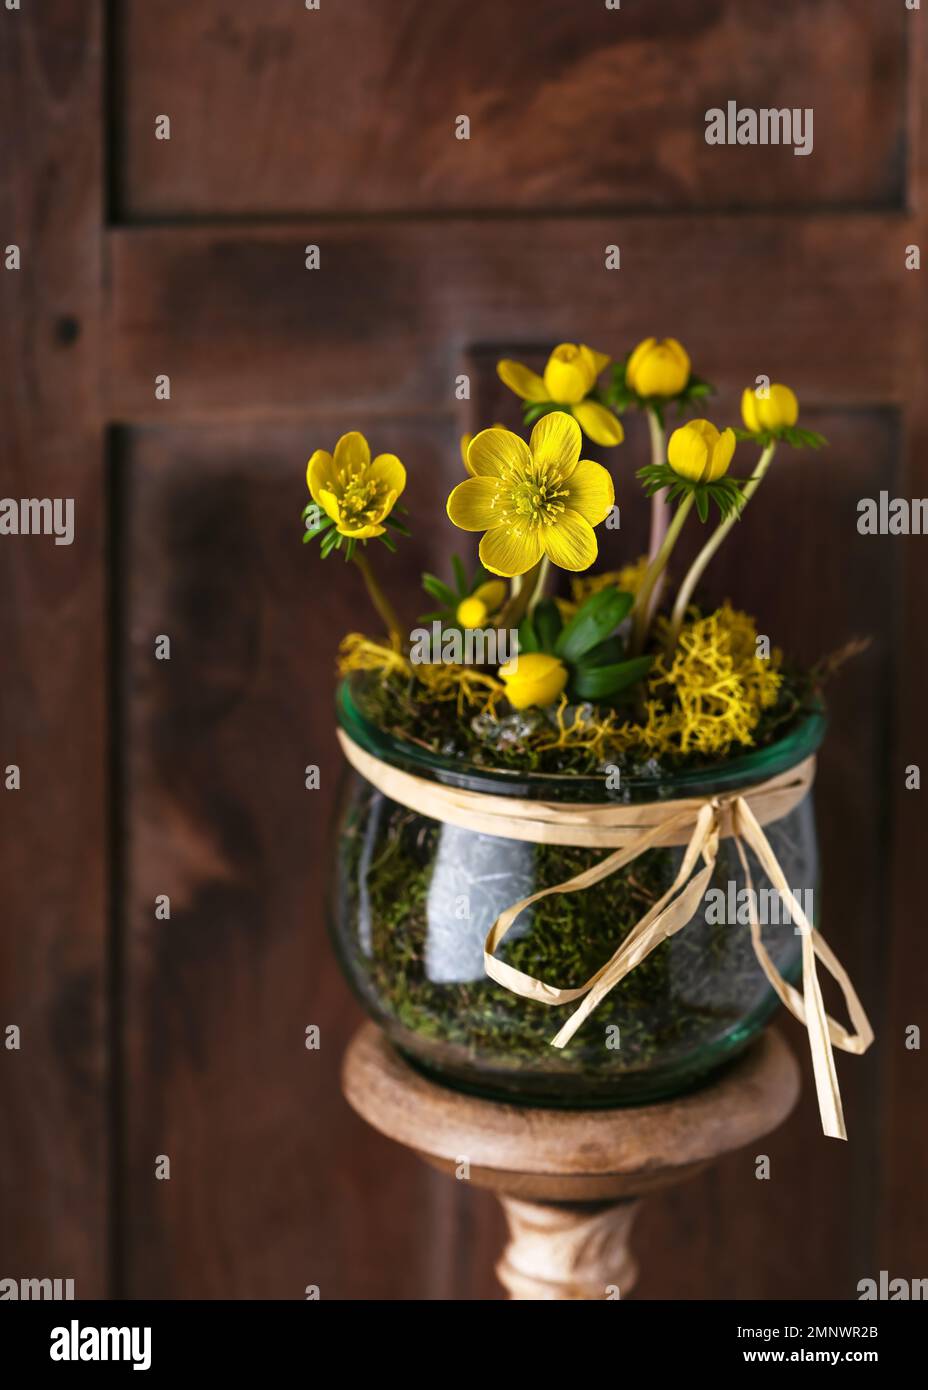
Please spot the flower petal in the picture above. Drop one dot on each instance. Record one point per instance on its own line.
(783, 406)
(320, 472)
(491, 593)
(474, 505)
(329, 503)
(568, 375)
(352, 453)
(510, 550)
(361, 532)
(495, 453)
(749, 412)
(721, 455)
(521, 380)
(536, 678)
(689, 451)
(590, 491)
(387, 468)
(598, 361)
(636, 359)
(570, 542)
(556, 442)
(598, 423)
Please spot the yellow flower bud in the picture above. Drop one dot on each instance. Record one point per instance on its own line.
(779, 410)
(699, 452)
(486, 598)
(534, 679)
(472, 613)
(569, 374)
(658, 368)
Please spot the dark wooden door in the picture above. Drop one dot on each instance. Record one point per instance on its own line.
(186, 257)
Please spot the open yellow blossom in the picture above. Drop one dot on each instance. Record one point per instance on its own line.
(356, 493)
(475, 610)
(533, 499)
(465, 445)
(698, 451)
(535, 678)
(658, 368)
(779, 410)
(569, 377)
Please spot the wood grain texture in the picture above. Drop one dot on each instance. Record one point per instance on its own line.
(247, 332)
(568, 1180)
(53, 835)
(292, 127)
(276, 110)
(271, 1175)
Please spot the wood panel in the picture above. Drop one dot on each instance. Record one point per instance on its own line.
(275, 1184)
(247, 332)
(352, 108)
(54, 1141)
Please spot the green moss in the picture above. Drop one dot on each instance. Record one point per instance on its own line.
(666, 1009)
(397, 705)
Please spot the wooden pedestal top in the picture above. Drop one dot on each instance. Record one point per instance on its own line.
(570, 1155)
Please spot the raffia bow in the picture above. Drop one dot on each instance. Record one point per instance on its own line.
(631, 830)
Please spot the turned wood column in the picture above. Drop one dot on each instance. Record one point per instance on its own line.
(569, 1180)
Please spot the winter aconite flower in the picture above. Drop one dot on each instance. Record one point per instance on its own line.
(533, 499)
(356, 493)
(658, 368)
(465, 445)
(534, 679)
(776, 411)
(699, 452)
(477, 609)
(568, 379)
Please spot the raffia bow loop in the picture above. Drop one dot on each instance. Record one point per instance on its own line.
(697, 824)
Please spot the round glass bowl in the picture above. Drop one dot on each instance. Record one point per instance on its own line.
(414, 899)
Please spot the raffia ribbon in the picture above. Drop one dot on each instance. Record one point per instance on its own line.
(698, 824)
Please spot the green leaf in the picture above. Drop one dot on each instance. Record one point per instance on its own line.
(438, 589)
(388, 542)
(604, 653)
(396, 525)
(528, 638)
(593, 682)
(329, 543)
(533, 410)
(460, 576)
(548, 624)
(702, 504)
(594, 620)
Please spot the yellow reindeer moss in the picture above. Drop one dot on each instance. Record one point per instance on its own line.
(705, 697)
(472, 688)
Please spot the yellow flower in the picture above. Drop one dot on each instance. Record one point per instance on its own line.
(779, 410)
(658, 368)
(465, 445)
(533, 499)
(699, 452)
(569, 377)
(357, 494)
(486, 598)
(534, 679)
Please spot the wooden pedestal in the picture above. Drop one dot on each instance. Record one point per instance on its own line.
(569, 1180)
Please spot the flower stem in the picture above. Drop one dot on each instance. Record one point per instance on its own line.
(697, 568)
(519, 599)
(377, 596)
(642, 617)
(540, 584)
(661, 510)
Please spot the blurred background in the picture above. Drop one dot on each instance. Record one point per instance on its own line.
(143, 257)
